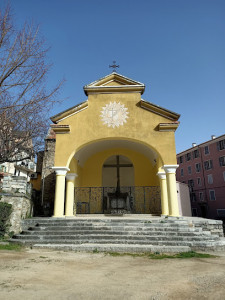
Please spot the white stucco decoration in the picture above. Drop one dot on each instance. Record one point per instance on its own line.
(114, 114)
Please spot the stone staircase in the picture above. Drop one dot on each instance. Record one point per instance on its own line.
(118, 234)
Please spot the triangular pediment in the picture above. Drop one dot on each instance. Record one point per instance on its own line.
(114, 82)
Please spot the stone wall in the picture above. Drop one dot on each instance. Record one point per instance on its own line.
(16, 184)
(17, 192)
(48, 176)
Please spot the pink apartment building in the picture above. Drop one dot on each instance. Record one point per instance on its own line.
(202, 167)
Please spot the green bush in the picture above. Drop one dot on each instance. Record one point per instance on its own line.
(5, 212)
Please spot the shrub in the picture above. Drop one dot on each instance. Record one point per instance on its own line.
(5, 212)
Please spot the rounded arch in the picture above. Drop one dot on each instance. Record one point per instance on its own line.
(84, 151)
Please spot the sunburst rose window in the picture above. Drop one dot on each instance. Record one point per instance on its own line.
(114, 114)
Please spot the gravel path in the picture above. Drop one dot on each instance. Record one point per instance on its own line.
(44, 274)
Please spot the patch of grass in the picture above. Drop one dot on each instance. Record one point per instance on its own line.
(157, 255)
(43, 256)
(125, 254)
(194, 254)
(15, 247)
(95, 250)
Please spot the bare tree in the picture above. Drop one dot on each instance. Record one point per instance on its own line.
(25, 100)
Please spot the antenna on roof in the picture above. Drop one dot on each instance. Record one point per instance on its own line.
(114, 66)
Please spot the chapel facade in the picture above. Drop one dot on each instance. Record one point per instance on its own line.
(115, 153)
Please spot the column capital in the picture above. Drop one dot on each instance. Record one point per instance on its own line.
(71, 176)
(170, 168)
(60, 170)
(162, 175)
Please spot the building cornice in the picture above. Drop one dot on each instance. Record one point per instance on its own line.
(159, 110)
(69, 112)
(60, 128)
(168, 126)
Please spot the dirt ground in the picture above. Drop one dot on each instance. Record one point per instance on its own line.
(44, 274)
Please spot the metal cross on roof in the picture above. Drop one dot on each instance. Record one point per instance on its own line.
(114, 66)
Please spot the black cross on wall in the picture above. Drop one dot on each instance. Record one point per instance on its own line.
(118, 166)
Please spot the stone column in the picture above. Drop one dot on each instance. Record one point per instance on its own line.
(59, 191)
(172, 189)
(70, 178)
(164, 197)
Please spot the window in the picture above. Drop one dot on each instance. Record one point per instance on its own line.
(189, 170)
(221, 212)
(206, 149)
(193, 197)
(180, 159)
(194, 212)
(191, 183)
(212, 195)
(198, 167)
(222, 161)
(196, 153)
(224, 175)
(181, 172)
(188, 156)
(221, 145)
(210, 179)
(208, 164)
(199, 182)
(201, 197)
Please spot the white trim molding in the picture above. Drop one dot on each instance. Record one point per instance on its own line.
(162, 175)
(60, 170)
(170, 168)
(71, 176)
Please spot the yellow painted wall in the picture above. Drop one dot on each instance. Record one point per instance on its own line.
(86, 126)
(36, 182)
(91, 175)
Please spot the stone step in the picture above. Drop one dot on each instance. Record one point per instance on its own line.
(114, 227)
(195, 244)
(144, 230)
(111, 224)
(117, 233)
(115, 248)
(105, 232)
(111, 237)
(104, 220)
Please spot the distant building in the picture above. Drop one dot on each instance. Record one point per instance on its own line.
(202, 167)
(24, 168)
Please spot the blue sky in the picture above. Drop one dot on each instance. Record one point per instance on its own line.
(175, 47)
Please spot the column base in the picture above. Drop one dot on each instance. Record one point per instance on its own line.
(176, 216)
(59, 217)
(70, 217)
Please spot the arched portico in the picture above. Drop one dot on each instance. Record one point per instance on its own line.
(92, 182)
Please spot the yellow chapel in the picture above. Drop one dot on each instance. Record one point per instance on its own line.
(115, 153)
